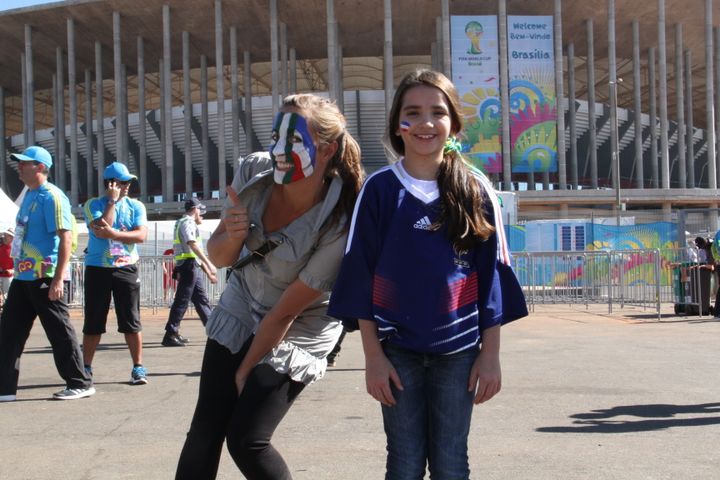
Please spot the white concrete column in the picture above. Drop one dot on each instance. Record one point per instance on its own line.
(169, 170)
(120, 154)
(662, 94)
(99, 115)
(572, 116)
(142, 136)
(592, 121)
(29, 87)
(60, 171)
(505, 95)
(560, 95)
(637, 106)
(204, 120)
(680, 106)
(388, 75)
(332, 49)
(72, 93)
(235, 99)
(247, 77)
(187, 113)
(709, 96)
(446, 59)
(220, 82)
(89, 173)
(275, 57)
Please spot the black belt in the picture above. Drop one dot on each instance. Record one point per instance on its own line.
(264, 249)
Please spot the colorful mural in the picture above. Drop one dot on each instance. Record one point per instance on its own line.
(533, 103)
(476, 75)
(626, 256)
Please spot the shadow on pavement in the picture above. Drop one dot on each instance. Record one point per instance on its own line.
(660, 416)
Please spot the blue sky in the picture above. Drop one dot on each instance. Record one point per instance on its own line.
(10, 4)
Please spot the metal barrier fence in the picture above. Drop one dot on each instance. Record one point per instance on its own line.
(157, 288)
(644, 278)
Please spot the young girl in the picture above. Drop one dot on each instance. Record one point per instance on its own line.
(427, 274)
(283, 230)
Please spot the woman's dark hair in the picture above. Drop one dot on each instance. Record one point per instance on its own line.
(461, 199)
(328, 125)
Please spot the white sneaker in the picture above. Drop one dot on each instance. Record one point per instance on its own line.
(7, 398)
(74, 393)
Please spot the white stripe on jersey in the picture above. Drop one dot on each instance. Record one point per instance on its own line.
(455, 337)
(503, 252)
(357, 207)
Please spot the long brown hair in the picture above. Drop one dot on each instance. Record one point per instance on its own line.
(461, 201)
(328, 125)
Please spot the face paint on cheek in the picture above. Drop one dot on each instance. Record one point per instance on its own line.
(404, 126)
(293, 152)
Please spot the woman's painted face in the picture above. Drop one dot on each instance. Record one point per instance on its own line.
(292, 149)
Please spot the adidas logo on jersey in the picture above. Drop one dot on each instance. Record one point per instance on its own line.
(423, 224)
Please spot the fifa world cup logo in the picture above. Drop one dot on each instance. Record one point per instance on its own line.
(474, 32)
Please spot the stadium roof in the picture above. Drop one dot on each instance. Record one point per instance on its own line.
(360, 35)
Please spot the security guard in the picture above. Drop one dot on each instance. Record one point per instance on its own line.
(189, 260)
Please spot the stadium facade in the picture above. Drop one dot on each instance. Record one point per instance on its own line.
(137, 81)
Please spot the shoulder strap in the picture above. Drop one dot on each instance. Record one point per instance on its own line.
(264, 249)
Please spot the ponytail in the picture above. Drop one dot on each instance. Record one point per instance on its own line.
(461, 203)
(346, 164)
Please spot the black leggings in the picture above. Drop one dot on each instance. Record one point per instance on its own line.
(247, 421)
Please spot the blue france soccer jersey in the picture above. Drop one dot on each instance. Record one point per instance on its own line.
(102, 252)
(408, 278)
(43, 212)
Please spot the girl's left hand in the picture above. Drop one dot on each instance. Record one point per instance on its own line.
(240, 380)
(485, 377)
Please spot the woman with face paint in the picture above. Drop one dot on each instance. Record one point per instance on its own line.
(427, 277)
(283, 232)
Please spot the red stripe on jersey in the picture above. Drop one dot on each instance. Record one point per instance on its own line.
(383, 293)
(462, 292)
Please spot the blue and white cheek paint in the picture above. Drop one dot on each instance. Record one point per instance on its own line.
(292, 150)
(404, 126)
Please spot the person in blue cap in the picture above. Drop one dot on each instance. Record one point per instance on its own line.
(189, 260)
(116, 224)
(41, 252)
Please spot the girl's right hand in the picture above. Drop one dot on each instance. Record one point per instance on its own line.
(378, 374)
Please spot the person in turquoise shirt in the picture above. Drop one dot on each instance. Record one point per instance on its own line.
(41, 252)
(116, 224)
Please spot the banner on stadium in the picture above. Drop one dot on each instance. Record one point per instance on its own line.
(476, 75)
(533, 101)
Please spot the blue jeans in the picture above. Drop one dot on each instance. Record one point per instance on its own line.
(430, 422)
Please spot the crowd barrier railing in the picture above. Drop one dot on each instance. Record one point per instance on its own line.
(157, 287)
(645, 278)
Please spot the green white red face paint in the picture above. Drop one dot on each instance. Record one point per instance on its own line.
(292, 149)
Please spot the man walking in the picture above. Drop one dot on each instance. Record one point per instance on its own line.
(116, 224)
(41, 251)
(189, 260)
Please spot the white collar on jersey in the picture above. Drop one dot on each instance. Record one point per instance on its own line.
(424, 190)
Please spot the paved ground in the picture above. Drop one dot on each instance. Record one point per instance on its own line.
(586, 395)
